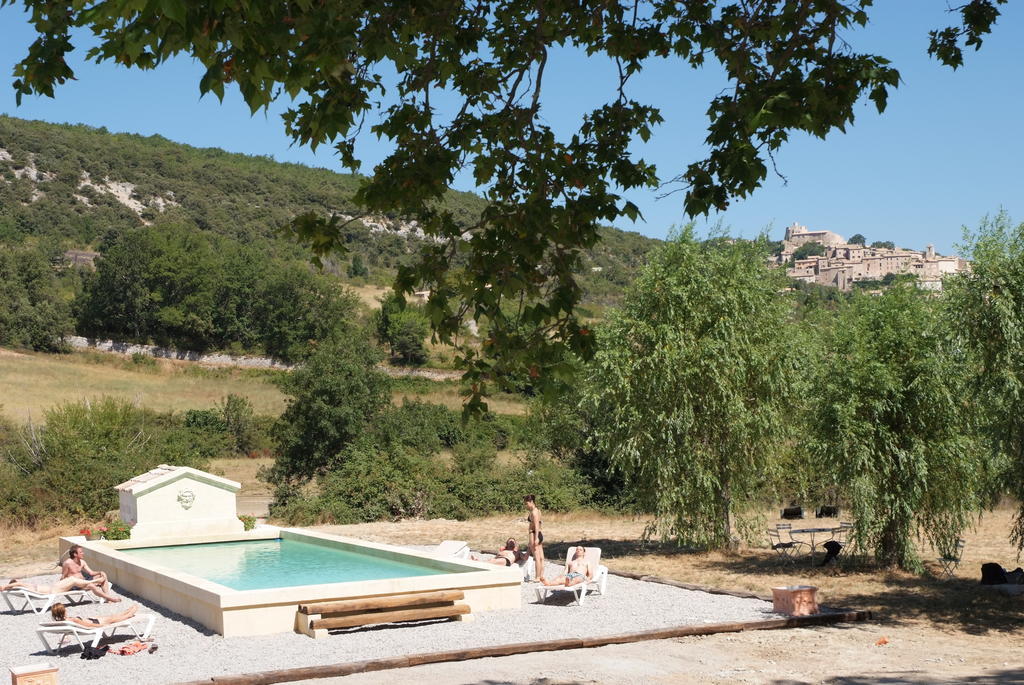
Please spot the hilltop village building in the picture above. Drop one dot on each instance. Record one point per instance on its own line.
(845, 263)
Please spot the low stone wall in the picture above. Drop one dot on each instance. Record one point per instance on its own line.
(115, 347)
(171, 353)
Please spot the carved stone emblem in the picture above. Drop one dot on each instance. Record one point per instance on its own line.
(186, 498)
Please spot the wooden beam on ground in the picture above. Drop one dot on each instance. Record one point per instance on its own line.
(365, 619)
(387, 602)
(334, 670)
(692, 586)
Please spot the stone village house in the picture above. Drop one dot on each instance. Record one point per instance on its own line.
(845, 263)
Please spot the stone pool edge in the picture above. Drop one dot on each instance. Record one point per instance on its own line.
(234, 613)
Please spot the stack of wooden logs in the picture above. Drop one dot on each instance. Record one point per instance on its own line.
(316, 619)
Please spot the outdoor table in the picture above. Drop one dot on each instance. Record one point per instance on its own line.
(812, 532)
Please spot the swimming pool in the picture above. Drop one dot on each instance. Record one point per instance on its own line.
(225, 582)
(263, 564)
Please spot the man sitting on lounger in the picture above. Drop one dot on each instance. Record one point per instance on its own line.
(75, 566)
(578, 571)
(59, 613)
(509, 555)
(61, 586)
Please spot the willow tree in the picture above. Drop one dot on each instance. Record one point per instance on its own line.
(458, 86)
(987, 304)
(892, 427)
(691, 382)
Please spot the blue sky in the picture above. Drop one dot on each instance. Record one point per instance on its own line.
(946, 152)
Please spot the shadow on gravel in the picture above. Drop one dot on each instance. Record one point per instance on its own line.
(895, 597)
(1001, 677)
(150, 607)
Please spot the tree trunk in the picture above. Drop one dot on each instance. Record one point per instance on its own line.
(725, 522)
(894, 546)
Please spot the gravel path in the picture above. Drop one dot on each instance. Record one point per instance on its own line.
(188, 652)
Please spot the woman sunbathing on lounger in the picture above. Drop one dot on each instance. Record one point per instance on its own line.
(578, 571)
(61, 586)
(59, 613)
(509, 555)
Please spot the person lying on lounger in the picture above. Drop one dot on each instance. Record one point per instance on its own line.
(578, 571)
(59, 613)
(509, 555)
(61, 586)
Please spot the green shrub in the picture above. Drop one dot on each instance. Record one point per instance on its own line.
(240, 423)
(248, 522)
(356, 268)
(297, 510)
(143, 361)
(33, 312)
(404, 327)
(406, 333)
(373, 485)
(68, 467)
(118, 530)
(335, 395)
(206, 419)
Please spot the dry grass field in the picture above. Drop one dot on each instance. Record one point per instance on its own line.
(165, 385)
(369, 295)
(449, 395)
(30, 383)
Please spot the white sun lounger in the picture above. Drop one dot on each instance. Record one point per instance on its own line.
(39, 602)
(598, 584)
(92, 636)
(453, 548)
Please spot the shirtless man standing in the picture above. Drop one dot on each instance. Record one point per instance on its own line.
(75, 567)
(536, 546)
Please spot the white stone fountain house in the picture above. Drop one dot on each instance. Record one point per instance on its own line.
(177, 502)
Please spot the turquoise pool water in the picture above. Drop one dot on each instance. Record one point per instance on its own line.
(263, 564)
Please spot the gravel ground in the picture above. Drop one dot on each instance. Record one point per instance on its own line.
(188, 652)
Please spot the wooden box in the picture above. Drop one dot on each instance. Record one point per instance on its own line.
(795, 600)
(34, 674)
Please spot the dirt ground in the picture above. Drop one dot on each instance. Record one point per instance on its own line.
(926, 630)
(844, 654)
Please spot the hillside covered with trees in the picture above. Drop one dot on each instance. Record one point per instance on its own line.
(191, 230)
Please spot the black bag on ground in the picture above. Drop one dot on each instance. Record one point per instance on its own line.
(832, 550)
(993, 574)
(91, 652)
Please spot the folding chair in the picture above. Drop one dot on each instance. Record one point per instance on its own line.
(786, 549)
(786, 532)
(950, 562)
